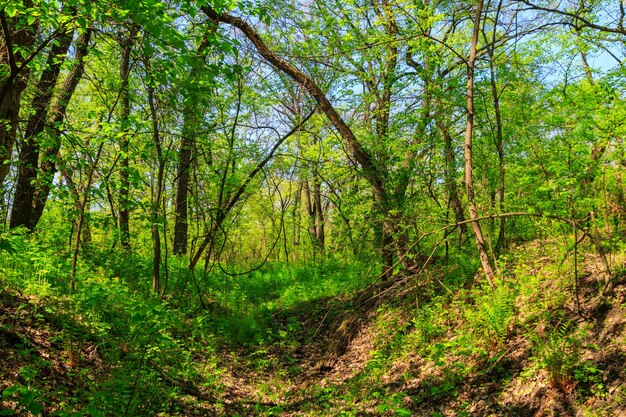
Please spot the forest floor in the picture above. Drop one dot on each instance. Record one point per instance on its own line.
(506, 380)
(411, 346)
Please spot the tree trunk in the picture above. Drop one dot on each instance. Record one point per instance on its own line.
(228, 205)
(313, 200)
(450, 179)
(126, 43)
(469, 182)
(371, 171)
(501, 242)
(182, 191)
(355, 149)
(22, 213)
(185, 157)
(48, 165)
(156, 203)
(12, 85)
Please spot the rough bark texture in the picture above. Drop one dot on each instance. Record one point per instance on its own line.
(185, 157)
(181, 227)
(22, 213)
(14, 42)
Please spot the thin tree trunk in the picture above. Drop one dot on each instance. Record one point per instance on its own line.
(227, 206)
(75, 193)
(308, 201)
(389, 244)
(469, 182)
(501, 242)
(156, 236)
(450, 179)
(313, 200)
(81, 216)
(295, 232)
(126, 43)
(319, 214)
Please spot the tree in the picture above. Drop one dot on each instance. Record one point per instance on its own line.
(17, 39)
(22, 213)
(469, 180)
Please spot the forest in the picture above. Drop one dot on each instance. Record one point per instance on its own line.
(312, 208)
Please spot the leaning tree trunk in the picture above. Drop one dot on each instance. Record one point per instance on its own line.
(48, 165)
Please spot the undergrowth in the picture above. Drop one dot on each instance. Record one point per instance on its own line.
(147, 341)
(441, 335)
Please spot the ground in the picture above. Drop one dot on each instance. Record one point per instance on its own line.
(543, 344)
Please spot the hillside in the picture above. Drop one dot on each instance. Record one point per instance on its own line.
(428, 344)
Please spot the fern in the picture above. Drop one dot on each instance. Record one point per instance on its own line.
(495, 314)
(559, 353)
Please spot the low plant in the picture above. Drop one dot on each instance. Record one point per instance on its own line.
(559, 354)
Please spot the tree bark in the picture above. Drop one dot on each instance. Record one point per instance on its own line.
(313, 201)
(12, 85)
(355, 149)
(185, 157)
(22, 213)
(501, 242)
(450, 179)
(48, 164)
(181, 227)
(370, 169)
(469, 182)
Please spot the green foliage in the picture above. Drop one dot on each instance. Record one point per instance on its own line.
(427, 323)
(559, 353)
(589, 380)
(393, 404)
(28, 400)
(246, 305)
(494, 313)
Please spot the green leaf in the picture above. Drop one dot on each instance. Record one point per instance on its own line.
(10, 391)
(35, 408)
